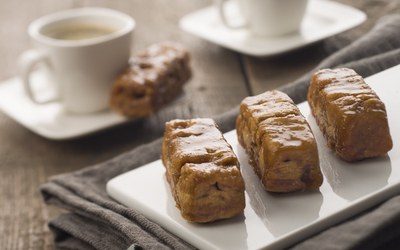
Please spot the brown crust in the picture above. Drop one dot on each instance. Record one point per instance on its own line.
(154, 78)
(350, 115)
(279, 142)
(202, 170)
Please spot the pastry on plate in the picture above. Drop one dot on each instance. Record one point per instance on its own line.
(154, 78)
(279, 143)
(349, 113)
(202, 170)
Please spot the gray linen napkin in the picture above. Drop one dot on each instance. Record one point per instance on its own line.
(95, 221)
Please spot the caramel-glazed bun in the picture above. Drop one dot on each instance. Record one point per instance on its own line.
(349, 113)
(154, 78)
(279, 142)
(202, 170)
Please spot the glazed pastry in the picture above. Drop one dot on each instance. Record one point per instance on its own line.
(202, 170)
(154, 78)
(279, 142)
(349, 113)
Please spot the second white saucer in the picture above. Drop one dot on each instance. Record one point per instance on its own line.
(323, 19)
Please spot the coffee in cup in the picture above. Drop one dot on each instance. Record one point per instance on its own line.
(84, 50)
(79, 31)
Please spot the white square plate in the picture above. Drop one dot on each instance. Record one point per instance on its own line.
(50, 120)
(323, 19)
(277, 220)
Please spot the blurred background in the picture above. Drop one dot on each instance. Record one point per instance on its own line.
(221, 79)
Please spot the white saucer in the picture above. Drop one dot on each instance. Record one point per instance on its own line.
(50, 120)
(323, 19)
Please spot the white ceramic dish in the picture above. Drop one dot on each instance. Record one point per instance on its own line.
(50, 120)
(323, 19)
(275, 221)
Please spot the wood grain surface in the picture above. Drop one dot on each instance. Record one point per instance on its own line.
(222, 78)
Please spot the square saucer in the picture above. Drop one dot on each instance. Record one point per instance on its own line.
(50, 120)
(323, 19)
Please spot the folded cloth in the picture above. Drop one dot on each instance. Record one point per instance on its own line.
(95, 221)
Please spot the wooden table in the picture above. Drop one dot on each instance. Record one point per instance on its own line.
(222, 78)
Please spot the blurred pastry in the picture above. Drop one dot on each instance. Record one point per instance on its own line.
(349, 113)
(279, 142)
(154, 78)
(202, 170)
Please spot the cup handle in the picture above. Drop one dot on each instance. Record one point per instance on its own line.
(225, 21)
(27, 61)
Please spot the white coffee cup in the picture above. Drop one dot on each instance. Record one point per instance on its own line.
(83, 49)
(267, 17)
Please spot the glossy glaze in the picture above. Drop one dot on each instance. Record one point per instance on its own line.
(154, 78)
(350, 114)
(280, 143)
(202, 170)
